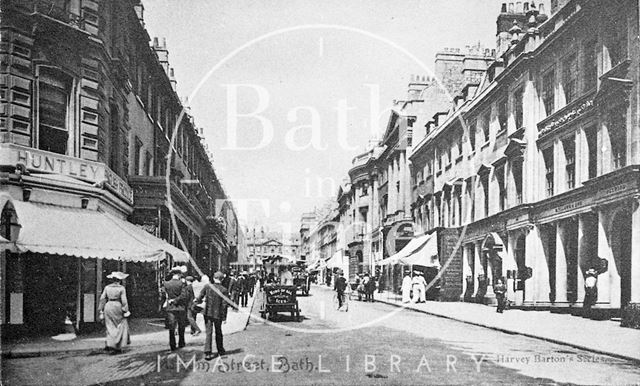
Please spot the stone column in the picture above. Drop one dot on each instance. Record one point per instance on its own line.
(635, 251)
(604, 252)
(537, 288)
(583, 256)
(477, 266)
(391, 188)
(561, 264)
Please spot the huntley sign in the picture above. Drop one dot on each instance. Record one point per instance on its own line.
(45, 162)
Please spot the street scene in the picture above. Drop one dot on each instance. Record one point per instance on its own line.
(304, 192)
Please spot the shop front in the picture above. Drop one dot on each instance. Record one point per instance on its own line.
(64, 229)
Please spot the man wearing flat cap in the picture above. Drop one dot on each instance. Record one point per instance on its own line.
(215, 313)
(176, 295)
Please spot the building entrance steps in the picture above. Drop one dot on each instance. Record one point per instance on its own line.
(599, 336)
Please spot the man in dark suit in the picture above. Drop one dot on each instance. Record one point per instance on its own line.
(176, 295)
(215, 312)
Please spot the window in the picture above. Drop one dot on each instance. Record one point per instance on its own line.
(136, 157)
(548, 92)
(592, 144)
(459, 147)
(516, 170)
(472, 135)
(618, 136)
(502, 115)
(616, 39)
(569, 146)
(440, 155)
(54, 99)
(547, 155)
(518, 107)
(114, 139)
(502, 190)
(590, 71)
(485, 187)
(147, 164)
(570, 78)
(486, 120)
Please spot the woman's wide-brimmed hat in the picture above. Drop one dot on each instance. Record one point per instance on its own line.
(117, 275)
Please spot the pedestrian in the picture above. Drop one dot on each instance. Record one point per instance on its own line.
(252, 283)
(114, 310)
(500, 290)
(406, 287)
(176, 295)
(340, 285)
(233, 290)
(192, 313)
(243, 289)
(369, 287)
(418, 285)
(381, 282)
(590, 289)
(359, 287)
(215, 313)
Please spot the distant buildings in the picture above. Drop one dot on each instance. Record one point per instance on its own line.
(528, 169)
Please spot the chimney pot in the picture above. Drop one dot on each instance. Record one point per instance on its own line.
(503, 9)
(155, 41)
(511, 8)
(526, 6)
(519, 7)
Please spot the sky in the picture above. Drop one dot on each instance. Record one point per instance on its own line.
(289, 92)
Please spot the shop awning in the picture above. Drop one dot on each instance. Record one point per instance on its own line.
(88, 234)
(335, 261)
(412, 246)
(426, 255)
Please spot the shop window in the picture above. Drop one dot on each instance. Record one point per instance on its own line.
(618, 136)
(503, 118)
(592, 144)
(547, 155)
(54, 101)
(569, 146)
(518, 107)
(548, 92)
(570, 78)
(590, 71)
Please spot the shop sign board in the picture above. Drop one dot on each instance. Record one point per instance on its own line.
(41, 161)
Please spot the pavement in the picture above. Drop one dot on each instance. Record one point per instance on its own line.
(145, 332)
(599, 336)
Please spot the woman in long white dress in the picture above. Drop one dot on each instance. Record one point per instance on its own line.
(114, 309)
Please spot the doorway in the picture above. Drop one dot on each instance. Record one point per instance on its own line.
(50, 292)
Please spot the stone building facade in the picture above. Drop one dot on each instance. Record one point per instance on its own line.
(538, 165)
(87, 112)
